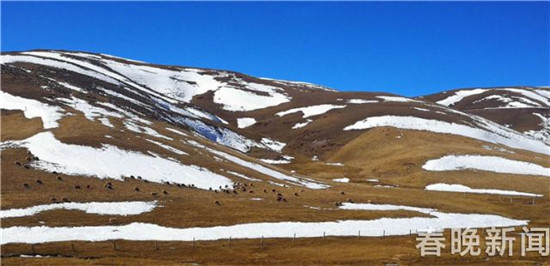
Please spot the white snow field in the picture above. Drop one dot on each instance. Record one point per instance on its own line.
(245, 122)
(268, 171)
(459, 95)
(485, 163)
(273, 144)
(487, 131)
(235, 99)
(112, 162)
(32, 108)
(383, 207)
(396, 99)
(167, 147)
(300, 125)
(360, 101)
(123, 208)
(462, 188)
(367, 228)
(311, 110)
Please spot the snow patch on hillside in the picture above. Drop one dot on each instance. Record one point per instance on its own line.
(113, 162)
(466, 189)
(123, 208)
(311, 110)
(459, 95)
(485, 163)
(236, 99)
(245, 122)
(144, 232)
(489, 131)
(273, 144)
(32, 108)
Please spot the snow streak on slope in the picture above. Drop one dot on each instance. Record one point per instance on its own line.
(485, 163)
(112, 162)
(459, 95)
(490, 132)
(311, 110)
(245, 122)
(268, 171)
(368, 228)
(32, 108)
(123, 208)
(466, 189)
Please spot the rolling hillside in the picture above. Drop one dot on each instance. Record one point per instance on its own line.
(97, 148)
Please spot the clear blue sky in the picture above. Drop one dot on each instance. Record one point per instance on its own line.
(410, 48)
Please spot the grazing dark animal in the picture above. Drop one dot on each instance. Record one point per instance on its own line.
(28, 158)
(251, 191)
(165, 192)
(108, 185)
(210, 189)
(338, 204)
(136, 189)
(217, 202)
(88, 187)
(139, 177)
(59, 178)
(132, 177)
(27, 166)
(39, 182)
(296, 194)
(215, 190)
(18, 163)
(77, 187)
(54, 172)
(265, 190)
(350, 200)
(52, 199)
(154, 193)
(273, 190)
(342, 192)
(64, 199)
(26, 185)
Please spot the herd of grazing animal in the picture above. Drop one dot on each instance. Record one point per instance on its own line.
(237, 188)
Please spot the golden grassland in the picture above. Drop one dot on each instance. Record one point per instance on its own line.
(377, 153)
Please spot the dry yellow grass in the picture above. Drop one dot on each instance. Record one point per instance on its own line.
(375, 154)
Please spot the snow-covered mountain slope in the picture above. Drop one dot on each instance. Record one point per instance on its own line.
(185, 149)
(525, 109)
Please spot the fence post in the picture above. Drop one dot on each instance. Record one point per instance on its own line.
(114, 245)
(359, 233)
(384, 233)
(156, 246)
(193, 242)
(294, 238)
(262, 241)
(72, 248)
(229, 241)
(323, 235)
(32, 248)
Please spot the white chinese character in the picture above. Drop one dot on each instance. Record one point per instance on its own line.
(467, 238)
(497, 241)
(430, 243)
(535, 240)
